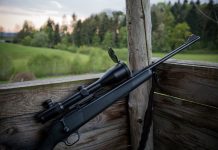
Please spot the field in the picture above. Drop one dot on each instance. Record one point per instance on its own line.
(193, 57)
(45, 62)
(20, 55)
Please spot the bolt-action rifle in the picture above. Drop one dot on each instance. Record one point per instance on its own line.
(72, 114)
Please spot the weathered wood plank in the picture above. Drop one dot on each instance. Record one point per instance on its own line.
(12, 129)
(182, 124)
(18, 129)
(196, 83)
(111, 137)
(40, 82)
(22, 101)
(139, 46)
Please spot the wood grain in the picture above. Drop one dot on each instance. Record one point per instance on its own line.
(139, 46)
(18, 129)
(192, 82)
(184, 125)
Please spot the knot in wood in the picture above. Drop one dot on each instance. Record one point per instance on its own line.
(139, 120)
(11, 131)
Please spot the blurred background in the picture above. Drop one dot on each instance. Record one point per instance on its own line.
(44, 39)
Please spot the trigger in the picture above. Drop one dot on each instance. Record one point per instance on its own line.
(72, 139)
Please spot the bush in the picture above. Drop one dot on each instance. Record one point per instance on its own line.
(27, 41)
(78, 67)
(72, 49)
(85, 50)
(42, 65)
(122, 54)
(40, 39)
(61, 46)
(99, 61)
(7, 67)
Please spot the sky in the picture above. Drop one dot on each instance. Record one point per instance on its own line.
(14, 12)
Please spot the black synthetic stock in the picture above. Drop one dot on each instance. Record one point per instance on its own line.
(75, 120)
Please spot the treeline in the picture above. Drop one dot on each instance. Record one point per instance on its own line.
(171, 24)
(100, 30)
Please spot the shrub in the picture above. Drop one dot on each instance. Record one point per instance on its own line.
(99, 61)
(7, 67)
(40, 39)
(61, 46)
(72, 49)
(122, 54)
(77, 66)
(42, 65)
(27, 41)
(85, 50)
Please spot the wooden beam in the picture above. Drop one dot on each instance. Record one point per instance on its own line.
(139, 45)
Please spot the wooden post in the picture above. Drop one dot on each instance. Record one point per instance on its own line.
(139, 45)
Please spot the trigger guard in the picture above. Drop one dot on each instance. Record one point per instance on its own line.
(68, 143)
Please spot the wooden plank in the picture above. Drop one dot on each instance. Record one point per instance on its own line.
(18, 129)
(12, 129)
(15, 102)
(182, 124)
(194, 82)
(139, 46)
(40, 82)
(111, 137)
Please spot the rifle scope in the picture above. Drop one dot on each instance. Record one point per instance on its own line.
(117, 73)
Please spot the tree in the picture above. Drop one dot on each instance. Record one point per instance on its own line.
(1, 31)
(96, 40)
(40, 39)
(77, 33)
(164, 22)
(27, 40)
(123, 37)
(104, 25)
(57, 37)
(27, 30)
(108, 40)
(74, 20)
(49, 30)
(179, 34)
(194, 20)
(64, 25)
(176, 10)
(211, 26)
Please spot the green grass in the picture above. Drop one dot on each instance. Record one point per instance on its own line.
(60, 62)
(21, 55)
(193, 57)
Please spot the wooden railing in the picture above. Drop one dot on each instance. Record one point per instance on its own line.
(185, 111)
(19, 103)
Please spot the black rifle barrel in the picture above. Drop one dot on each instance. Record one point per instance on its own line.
(72, 121)
(192, 39)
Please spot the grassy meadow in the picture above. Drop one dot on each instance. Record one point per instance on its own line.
(45, 62)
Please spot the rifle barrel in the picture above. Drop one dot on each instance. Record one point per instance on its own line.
(192, 39)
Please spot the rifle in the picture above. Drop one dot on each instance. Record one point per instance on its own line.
(73, 119)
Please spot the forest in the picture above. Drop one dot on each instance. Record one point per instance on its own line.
(171, 24)
(81, 47)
